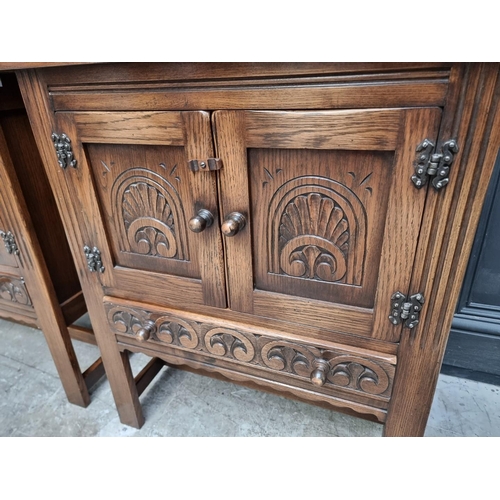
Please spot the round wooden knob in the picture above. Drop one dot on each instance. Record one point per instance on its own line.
(145, 332)
(201, 221)
(321, 369)
(233, 224)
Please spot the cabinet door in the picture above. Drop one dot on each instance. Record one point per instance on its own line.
(332, 217)
(136, 195)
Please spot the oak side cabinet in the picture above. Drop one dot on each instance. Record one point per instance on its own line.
(297, 228)
(39, 284)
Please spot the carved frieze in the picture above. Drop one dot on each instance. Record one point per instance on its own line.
(14, 290)
(350, 372)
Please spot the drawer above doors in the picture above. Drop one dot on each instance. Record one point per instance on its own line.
(318, 216)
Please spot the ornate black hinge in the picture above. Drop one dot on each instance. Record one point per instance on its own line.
(435, 165)
(94, 262)
(10, 242)
(406, 312)
(65, 157)
(208, 164)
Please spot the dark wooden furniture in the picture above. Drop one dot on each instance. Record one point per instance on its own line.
(473, 349)
(39, 284)
(297, 228)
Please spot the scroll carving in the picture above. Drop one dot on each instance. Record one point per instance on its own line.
(285, 356)
(229, 343)
(317, 231)
(177, 332)
(149, 215)
(348, 372)
(351, 372)
(14, 290)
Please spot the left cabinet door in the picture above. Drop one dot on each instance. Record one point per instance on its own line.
(136, 195)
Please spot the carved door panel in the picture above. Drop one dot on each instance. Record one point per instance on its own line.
(332, 217)
(137, 195)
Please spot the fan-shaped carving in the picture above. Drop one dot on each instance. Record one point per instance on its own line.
(317, 231)
(314, 238)
(148, 220)
(150, 217)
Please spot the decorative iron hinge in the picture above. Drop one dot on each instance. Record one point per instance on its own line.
(209, 164)
(10, 242)
(406, 311)
(62, 143)
(94, 262)
(435, 165)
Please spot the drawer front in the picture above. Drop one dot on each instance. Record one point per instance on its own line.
(13, 292)
(15, 300)
(325, 369)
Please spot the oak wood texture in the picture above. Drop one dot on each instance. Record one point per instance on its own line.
(317, 158)
(146, 194)
(322, 187)
(446, 240)
(41, 288)
(364, 375)
(116, 363)
(42, 293)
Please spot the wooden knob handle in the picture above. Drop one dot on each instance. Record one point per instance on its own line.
(201, 221)
(321, 369)
(233, 224)
(143, 334)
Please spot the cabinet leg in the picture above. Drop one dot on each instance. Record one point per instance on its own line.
(63, 354)
(124, 389)
(414, 386)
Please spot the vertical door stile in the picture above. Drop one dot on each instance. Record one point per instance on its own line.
(199, 146)
(230, 135)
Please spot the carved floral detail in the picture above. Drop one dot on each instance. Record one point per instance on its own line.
(14, 290)
(150, 217)
(353, 373)
(317, 231)
(229, 343)
(289, 357)
(314, 238)
(148, 221)
(176, 331)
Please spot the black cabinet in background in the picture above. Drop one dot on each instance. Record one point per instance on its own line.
(473, 349)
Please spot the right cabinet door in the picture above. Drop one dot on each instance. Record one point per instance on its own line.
(332, 217)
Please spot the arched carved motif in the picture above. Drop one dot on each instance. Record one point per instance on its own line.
(148, 212)
(317, 230)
